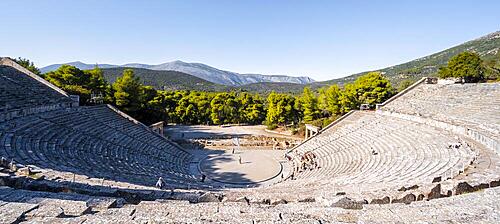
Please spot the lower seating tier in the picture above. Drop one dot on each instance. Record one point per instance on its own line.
(95, 142)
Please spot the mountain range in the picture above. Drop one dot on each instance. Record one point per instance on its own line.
(182, 75)
(199, 70)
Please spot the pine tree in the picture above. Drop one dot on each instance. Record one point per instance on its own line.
(128, 91)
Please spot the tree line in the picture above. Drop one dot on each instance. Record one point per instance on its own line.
(201, 107)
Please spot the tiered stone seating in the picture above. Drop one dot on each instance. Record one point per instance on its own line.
(406, 154)
(474, 106)
(19, 205)
(33, 207)
(18, 91)
(95, 142)
(367, 156)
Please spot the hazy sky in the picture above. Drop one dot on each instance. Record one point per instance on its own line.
(321, 39)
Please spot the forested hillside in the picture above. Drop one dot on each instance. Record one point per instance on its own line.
(487, 47)
(165, 80)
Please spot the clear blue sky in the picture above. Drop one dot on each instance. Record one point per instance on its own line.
(322, 39)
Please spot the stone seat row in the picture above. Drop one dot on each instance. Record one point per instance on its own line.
(70, 140)
(471, 105)
(371, 152)
(17, 205)
(18, 90)
(474, 207)
(404, 148)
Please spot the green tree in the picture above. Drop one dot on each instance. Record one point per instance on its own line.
(404, 84)
(28, 65)
(224, 108)
(251, 108)
(466, 65)
(78, 82)
(348, 99)
(96, 82)
(128, 92)
(72, 80)
(329, 99)
(309, 105)
(372, 88)
(281, 109)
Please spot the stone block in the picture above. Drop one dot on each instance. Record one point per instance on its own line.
(347, 203)
(278, 201)
(435, 192)
(407, 199)
(384, 200)
(13, 212)
(210, 197)
(463, 187)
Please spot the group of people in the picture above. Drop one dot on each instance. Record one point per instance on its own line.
(308, 161)
(458, 144)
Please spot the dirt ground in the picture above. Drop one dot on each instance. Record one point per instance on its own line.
(176, 132)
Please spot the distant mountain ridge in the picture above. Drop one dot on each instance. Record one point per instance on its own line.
(199, 70)
(488, 47)
(166, 80)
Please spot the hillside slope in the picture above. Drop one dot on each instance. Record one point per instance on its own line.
(78, 64)
(165, 80)
(265, 88)
(488, 47)
(199, 70)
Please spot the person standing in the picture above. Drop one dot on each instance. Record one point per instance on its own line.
(160, 183)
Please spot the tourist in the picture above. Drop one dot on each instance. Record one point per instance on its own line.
(160, 183)
(239, 159)
(203, 176)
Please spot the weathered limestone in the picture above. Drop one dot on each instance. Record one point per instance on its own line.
(384, 200)
(435, 192)
(210, 197)
(347, 203)
(463, 187)
(407, 199)
(13, 212)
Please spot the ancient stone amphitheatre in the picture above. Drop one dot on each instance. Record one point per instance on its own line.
(429, 154)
